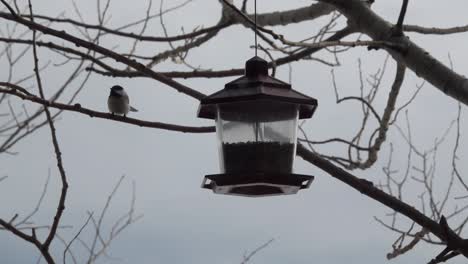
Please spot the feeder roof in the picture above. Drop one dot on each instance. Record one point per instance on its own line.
(257, 85)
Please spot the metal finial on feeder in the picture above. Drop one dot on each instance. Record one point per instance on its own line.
(256, 66)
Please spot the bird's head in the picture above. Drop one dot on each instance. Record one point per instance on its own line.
(117, 90)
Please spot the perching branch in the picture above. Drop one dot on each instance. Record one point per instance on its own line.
(17, 91)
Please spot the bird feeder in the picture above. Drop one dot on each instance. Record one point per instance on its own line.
(256, 125)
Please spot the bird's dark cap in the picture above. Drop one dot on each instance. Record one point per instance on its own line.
(117, 87)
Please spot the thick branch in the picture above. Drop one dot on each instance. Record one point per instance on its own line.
(415, 58)
(367, 188)
(295, 16)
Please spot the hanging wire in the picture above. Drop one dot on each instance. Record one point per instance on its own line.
(255, 16)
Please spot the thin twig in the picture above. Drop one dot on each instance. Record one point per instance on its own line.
(58, 153)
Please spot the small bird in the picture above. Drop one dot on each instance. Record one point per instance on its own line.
(118, 101)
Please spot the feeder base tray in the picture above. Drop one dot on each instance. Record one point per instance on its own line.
(256, 184)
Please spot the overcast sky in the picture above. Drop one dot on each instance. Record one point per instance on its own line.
(329, 223)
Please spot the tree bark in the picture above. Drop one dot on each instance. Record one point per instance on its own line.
(414, 57)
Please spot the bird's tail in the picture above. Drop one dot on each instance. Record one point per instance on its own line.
(133, 109)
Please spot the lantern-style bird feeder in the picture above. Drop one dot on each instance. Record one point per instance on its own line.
(256, 124)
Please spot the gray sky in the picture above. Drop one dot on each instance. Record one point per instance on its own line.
(182, 223)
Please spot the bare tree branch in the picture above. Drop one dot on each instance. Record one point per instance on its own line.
(414, 57)
(79, 109)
